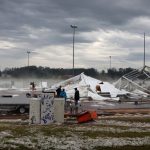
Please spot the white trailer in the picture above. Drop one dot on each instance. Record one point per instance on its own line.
(16, 99)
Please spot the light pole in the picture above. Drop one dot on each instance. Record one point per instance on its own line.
(144, 49)
(73, 27)
(110, 62)
(28, 53)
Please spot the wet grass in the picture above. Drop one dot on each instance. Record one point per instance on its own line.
(62, 131)
(4, 128)
(68, 130)
(17, 130)
(128, 147)
(18, 147)
(59, 131)
(108, 126)
(53, 130)
(130, 119)
(92, 131)
(96, 134)
(20, 131)
(23, 130)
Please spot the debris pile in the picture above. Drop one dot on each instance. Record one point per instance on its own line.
(137, 82)
(90, 88)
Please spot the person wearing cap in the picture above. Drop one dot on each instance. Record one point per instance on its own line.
(76, 99)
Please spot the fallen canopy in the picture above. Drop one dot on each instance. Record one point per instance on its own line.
(87, 87)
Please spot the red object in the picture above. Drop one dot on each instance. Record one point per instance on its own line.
(86, 116)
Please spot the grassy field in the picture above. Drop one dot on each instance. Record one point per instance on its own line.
(114, 133)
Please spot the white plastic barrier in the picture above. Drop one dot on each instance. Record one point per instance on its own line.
(59, 110)
(35, 111)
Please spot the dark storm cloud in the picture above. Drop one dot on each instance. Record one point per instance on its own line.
(55, 14)
(36, 24)
(114, 11)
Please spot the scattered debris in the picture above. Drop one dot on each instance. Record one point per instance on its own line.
(86, 116)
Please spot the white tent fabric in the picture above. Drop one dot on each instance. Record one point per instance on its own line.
(87, 87)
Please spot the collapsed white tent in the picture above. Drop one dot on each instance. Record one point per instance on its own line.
(87, 87)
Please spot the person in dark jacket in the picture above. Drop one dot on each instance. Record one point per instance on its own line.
(58, 91)
(76, 99)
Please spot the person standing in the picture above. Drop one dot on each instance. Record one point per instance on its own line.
(58, 91)
(76, 99)
(63, 94)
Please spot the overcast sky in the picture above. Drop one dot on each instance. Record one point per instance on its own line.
(105, 28)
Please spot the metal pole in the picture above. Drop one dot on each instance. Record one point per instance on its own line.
(74, 27)
(144, 49)
(28, 52)
(110, 61)
(73, 49)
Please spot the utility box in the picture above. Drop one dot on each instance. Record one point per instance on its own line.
(59, 109)
(46, 109)
(35, 111)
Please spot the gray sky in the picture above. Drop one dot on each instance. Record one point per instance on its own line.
(105, 28)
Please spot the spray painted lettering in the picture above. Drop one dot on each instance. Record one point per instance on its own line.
(47, 109)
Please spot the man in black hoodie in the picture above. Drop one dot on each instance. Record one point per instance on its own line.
(76, 99)
(58, 91)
